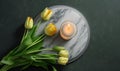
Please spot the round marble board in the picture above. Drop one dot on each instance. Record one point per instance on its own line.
(78, 44)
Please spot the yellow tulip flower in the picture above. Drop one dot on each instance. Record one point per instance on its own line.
(64, 53)
(46, 14)
(29, 23)
(62, 60)
(50, 29)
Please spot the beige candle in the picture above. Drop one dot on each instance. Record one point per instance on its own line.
(67, 30)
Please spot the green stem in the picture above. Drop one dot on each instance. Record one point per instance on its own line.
(33, 44)
(36, 41)
(47, 54)
(39, 22)
(24, 35)
(37, 26)
(47, 49)
(38, 38)
(47, 58)
(54, 69)
(6, 67)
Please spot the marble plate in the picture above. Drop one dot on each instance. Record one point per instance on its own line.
(78, 44)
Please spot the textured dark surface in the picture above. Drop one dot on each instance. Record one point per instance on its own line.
(103, 53)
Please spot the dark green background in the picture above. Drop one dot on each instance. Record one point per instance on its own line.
(103, 53)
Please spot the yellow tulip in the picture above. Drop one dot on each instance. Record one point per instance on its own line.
(50, 29)
(46, 14)
(64, 53)
(29, 23)
(62, 60)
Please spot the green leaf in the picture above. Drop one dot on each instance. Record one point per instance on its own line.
(19, 50)
(49, 58)
(34, 51)
(11, 53)
(21, 62)
(27, 65)
(28, 57)
(32, 31)
(34, 48)
(37, 26)
(58, 48)
(6, 67)
(35, 38)
(27, 41)
(7, 61)
(40, 39)
(40, 63)
(54, 69)
(17, 62)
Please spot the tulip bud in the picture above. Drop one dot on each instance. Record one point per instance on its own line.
(64, 53)
(46, 14)
(62, 60)
(50, 29)
(29, 23)
(58, 48)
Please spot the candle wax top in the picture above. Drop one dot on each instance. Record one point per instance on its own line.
(68, 30)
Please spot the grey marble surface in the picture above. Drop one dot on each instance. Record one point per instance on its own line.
(78, 44)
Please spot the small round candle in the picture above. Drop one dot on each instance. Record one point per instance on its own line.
(67, 30)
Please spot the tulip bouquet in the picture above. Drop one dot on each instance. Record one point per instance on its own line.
(29, 51)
